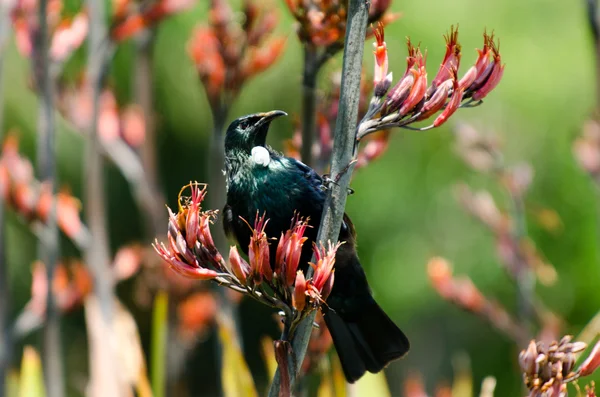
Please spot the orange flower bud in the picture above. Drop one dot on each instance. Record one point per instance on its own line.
(451, 58)
(419, 88)
(451, 107)
(299, 297)
(258, 251)
(239, 266)
(592, 362)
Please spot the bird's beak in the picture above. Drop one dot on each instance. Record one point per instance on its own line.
(268, 116)
(259, 133)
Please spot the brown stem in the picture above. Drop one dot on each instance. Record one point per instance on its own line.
(524, 276)
(97, 255)
(309, 103)
(46, 165)
(341, 160)
(144, 98)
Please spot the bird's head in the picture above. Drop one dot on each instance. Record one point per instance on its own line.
(250, 131)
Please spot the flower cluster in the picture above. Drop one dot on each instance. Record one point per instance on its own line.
(114, 122)
(411, 100)
(483, 153)
(71, 284)
(31, 199)
(547, 368)
(131, 17)
(227, 53)
(192, 253)
(322, 23)
(67, 34)
(467, 296)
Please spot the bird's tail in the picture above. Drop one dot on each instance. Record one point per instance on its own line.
(367, 341)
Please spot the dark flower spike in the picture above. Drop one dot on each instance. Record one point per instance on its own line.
(548, 368)
(411, 100)
(191, 252)
(227, 53)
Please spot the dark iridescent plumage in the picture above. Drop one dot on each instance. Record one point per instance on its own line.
(365, 337)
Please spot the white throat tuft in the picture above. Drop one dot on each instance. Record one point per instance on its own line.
(261, 156)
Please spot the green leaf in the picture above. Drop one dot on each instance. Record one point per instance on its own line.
(32, 378)
(373, 385)
(159, 343)
(12, 384)
(235, 375)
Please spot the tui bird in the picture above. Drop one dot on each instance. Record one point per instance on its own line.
(260, 179)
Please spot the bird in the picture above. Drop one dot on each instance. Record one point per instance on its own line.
(261, 180)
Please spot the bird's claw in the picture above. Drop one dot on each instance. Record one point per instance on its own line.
(327, 182)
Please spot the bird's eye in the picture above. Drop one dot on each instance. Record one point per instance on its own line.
(244, 124)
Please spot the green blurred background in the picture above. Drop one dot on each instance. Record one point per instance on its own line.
(403, 208)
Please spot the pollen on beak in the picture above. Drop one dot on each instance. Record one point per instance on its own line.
(268, 116)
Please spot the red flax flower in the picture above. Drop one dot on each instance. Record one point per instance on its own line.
(31, 199)
(322, 23)
(410, 100)
(67, 33)
(190, 251)
(227, 53)
(322, 282)
(131, 18)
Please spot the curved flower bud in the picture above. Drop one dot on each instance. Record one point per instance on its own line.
(402, 89)
(322, 280)
(451, 58)
(495, 75)
(239, 266)
(451, 107)
(437, 101)
(258, 251)
(299, 297)
(592, 362)
(477, 70)
(381, 79)
(417, 93)
(289, 250)
(527, 359)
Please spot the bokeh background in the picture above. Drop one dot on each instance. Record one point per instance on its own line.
(404, 209)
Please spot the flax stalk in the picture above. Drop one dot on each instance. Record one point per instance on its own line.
(341, 163)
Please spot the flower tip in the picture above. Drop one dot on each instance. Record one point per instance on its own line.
(592, 362)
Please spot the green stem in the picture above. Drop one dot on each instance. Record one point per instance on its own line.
(309, 103)
(46, 164)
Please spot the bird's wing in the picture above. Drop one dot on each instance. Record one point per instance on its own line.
(314, 179)
(347, 231)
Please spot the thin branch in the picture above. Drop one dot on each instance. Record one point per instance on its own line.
(97, 255)
(594, 22)
(5, 333)
(309, 103)
(525, 276)
(153, 198)
(341, 160)
(46, 165)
